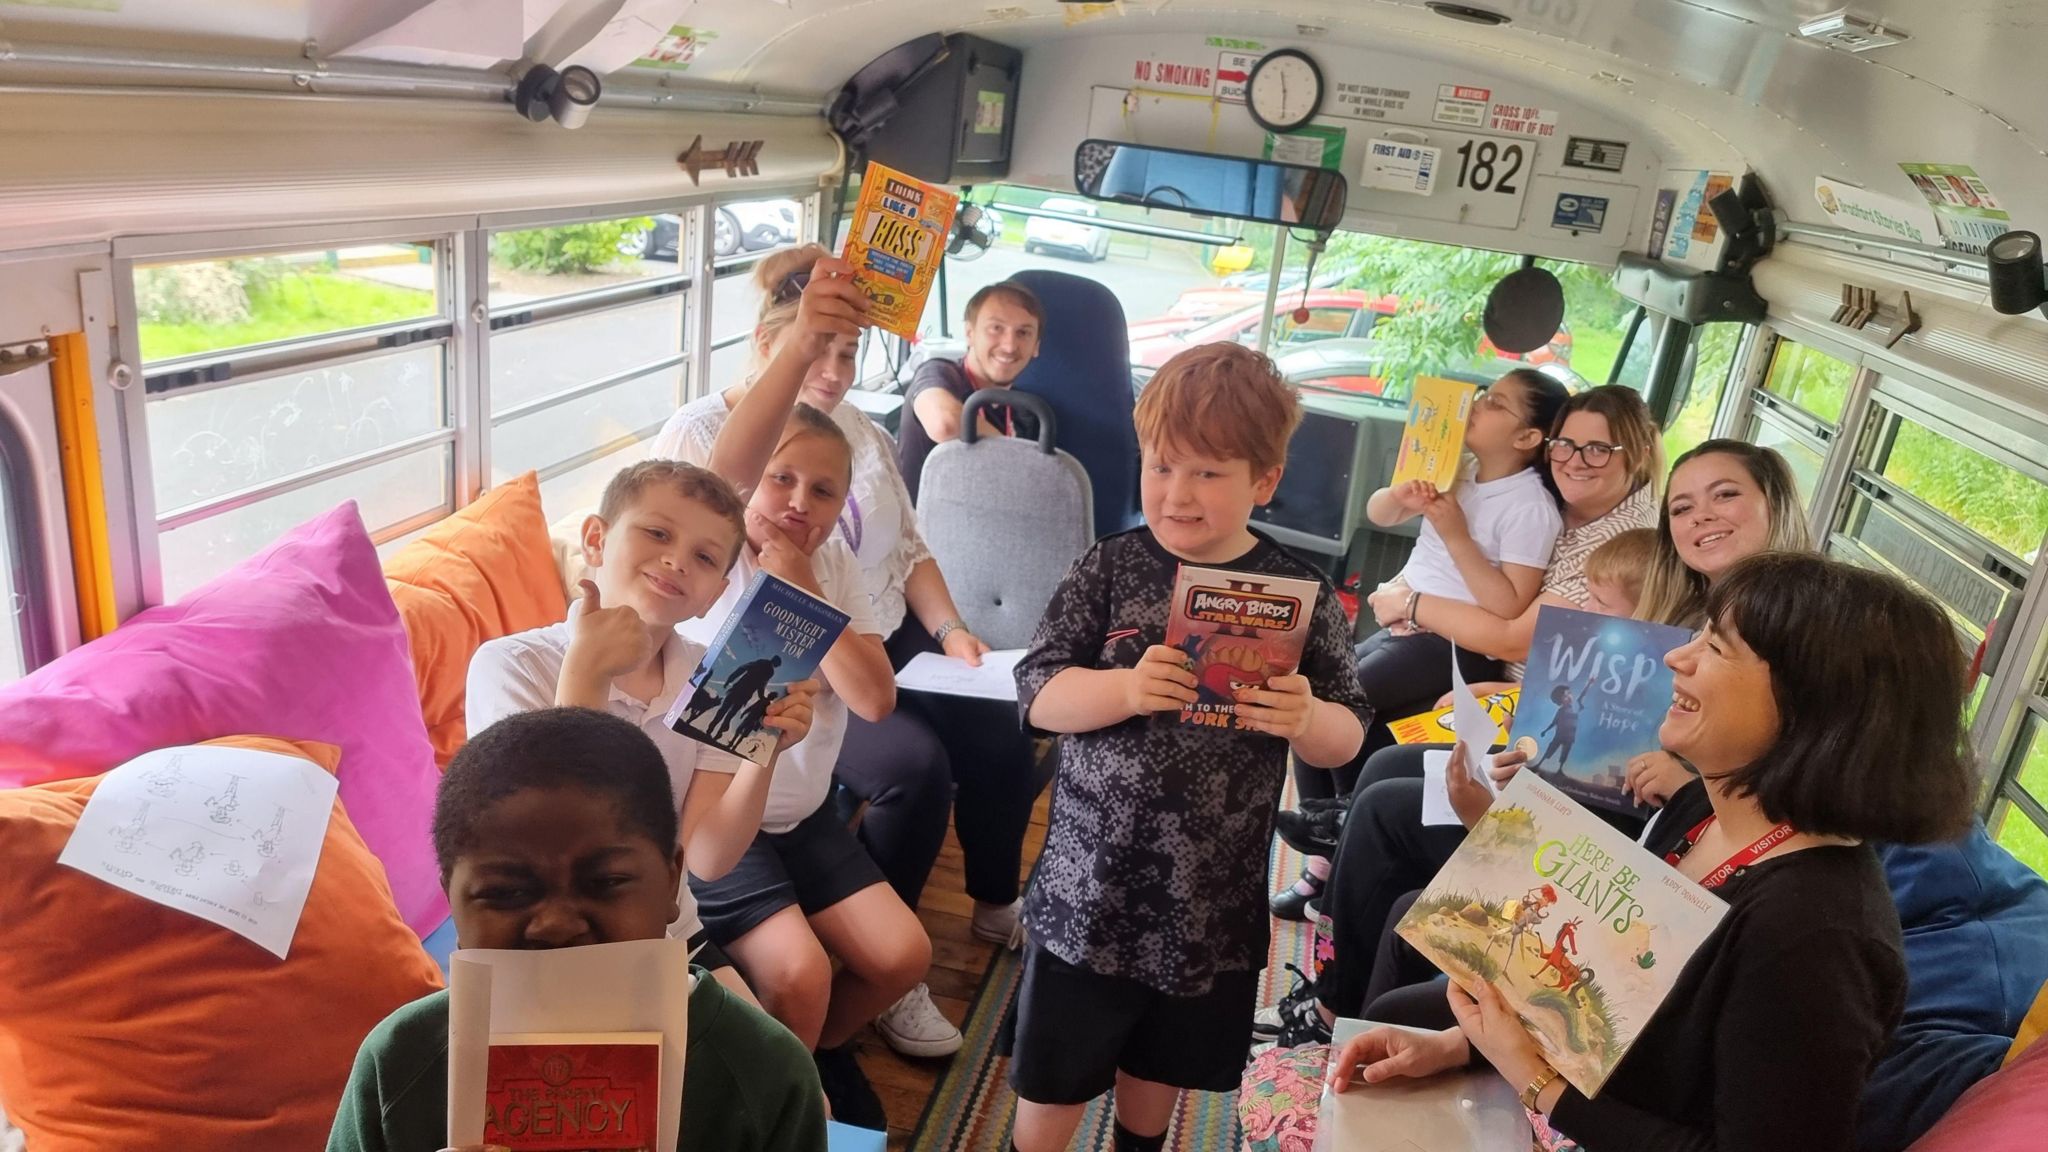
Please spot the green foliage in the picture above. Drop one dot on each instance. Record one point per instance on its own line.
(2005, 505)
(209, 293)
(1472, 957)
(278, 304)
(1714, 357)
(568, 247)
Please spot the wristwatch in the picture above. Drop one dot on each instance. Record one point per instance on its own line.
(1536, 1087)
(956, 624)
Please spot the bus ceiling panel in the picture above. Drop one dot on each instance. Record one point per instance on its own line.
(92, 166)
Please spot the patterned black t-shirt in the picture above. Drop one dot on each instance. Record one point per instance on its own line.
(1154, 868)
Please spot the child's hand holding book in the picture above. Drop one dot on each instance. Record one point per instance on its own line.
(1161, 682)
(791, 714)
(1284, 707)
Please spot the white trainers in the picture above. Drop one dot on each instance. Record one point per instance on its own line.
(914, 1026)
(999, 923)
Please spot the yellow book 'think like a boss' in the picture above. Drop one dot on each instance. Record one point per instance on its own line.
(899, 233)
(1435, 435)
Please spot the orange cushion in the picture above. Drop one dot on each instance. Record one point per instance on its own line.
(2033, 1028)
(126, 1024)
(485, 572)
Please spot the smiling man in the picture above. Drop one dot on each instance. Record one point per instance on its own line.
(1004, 322)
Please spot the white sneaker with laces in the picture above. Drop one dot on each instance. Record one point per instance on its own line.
(914, 1026)
(999, 923)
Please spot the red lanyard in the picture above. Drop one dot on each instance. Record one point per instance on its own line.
(1009, 417)
(1735, 863)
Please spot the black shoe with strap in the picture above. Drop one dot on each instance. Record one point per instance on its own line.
(847, 1090)
(1312, 832)
(1291, 902)
(1301, 1015)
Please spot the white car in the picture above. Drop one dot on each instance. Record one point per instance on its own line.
(1081, 240)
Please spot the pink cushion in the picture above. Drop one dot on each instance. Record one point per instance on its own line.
(2004, 1112)
(300, 640)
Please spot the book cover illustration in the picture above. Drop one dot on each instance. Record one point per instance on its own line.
(899, 234)
(573, 1092)
(1236, 630)
(776, 635)
(1596, 690)
(1438, 726)
(1579, 928)
(1435, 435)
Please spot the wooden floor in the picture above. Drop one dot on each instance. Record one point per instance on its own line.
(958, 963)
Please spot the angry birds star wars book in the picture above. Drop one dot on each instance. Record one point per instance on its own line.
(1237, 630)
(1580, 929)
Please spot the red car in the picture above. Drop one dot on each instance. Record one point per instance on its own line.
(1333, 314)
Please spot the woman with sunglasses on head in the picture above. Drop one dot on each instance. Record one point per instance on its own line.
(1772, 1028)
(806, 341)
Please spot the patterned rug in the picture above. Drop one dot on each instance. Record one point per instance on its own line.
(971, 1109)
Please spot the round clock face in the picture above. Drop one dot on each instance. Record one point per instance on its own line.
(1285, 91)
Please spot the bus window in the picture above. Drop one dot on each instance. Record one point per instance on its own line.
(1798, 407)
(2002, 504)
(743, 233)
(588, 350)
(2019, 819)
(1713, 360)
(13, 598)
(281, 384)
(1815, 381)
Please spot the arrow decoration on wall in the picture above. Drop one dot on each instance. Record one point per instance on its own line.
(737, 158)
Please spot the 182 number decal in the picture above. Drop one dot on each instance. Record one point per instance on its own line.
(1484, 166)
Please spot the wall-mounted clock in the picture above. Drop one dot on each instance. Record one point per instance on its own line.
(1285, 90)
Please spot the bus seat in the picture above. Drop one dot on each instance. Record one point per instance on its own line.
(1005, 519)
(1083, 372)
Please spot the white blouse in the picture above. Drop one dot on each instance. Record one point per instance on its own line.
(878, 523)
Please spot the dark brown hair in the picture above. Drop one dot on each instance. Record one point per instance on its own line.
(1630, 423)
(1836, 635)
(1009, 290)
(1674, 593)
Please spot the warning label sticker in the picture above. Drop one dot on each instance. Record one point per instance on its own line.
(1367, 102)
(1458, 104)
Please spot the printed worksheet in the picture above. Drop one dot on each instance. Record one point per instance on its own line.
(995, 679)
(229, 835)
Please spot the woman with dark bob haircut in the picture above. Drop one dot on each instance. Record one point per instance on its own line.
(1822, 704)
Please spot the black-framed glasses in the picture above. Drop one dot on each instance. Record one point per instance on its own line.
(792, 286)
(1596, 453)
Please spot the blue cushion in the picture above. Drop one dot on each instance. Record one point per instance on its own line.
(846, 1138)
(1976, 932)
(440, 943)
(1083, 370)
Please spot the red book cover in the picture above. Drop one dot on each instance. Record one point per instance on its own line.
(1236, 630)
(572, 1092)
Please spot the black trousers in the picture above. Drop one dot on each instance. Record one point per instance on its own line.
(938, 758)
(1401, 676)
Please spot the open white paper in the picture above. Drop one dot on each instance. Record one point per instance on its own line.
(1474, 724)
(230, 835)
(631, 986)
(996, 679)
(1459, 1111)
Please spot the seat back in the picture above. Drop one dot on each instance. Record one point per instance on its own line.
(1083, 371)
(1005, 519)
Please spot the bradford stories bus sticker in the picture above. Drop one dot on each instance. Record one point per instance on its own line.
(1874, 213)
(1966, 212)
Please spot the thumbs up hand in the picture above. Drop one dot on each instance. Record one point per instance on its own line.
(609, 642)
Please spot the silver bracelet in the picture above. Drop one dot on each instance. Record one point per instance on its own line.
(946, 629)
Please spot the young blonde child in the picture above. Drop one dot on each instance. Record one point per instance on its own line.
(657, 551)
(1146, 919)
(805, 891)
(1614, 584)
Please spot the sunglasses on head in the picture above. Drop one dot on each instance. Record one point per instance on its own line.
(792, 286)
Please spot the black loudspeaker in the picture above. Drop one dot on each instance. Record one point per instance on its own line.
(954, 122)
(2018, 281)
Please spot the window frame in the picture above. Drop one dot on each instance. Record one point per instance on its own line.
(22, 534)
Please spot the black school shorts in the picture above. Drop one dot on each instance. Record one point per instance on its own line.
(813, 866)
(1073, 1030)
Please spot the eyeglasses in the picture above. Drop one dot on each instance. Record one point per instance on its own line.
(1489, 399)
(792, 286)
(1597, 454)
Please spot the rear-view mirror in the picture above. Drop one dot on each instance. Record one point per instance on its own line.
(1240, 189)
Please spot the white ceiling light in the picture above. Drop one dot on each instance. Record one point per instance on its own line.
(1849, 33)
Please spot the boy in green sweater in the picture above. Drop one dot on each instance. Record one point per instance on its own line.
(555, 829)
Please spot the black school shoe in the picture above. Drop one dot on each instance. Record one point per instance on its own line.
(1291, 902)
(847, 1090)
(1312, 831)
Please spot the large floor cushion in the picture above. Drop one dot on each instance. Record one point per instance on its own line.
(2006, 1113)
(128, 1025)
(300, 640)
(485, 572)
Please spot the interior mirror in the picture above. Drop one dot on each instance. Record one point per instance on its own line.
(1240, 189)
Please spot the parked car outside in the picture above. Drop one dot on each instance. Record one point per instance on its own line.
(748, 226)
(1082, 241)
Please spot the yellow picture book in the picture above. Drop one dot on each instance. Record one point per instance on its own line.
(1435, 435)
(898, 237)
(1435, 726)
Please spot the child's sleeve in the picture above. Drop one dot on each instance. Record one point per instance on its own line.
(1072, 631)
(1528, 534)
(506, 678)
(1327, 658)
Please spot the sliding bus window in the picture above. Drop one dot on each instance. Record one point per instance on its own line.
(1714, 347)
(2019, 814)
(280, 384)
(587, 354)
(743, 233)
(1798, 408)
(16, 624)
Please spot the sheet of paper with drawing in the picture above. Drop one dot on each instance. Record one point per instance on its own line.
(230, 835)
(1475, 726)
(996, 679)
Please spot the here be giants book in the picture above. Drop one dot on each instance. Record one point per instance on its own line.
(1580, 929)
(1236, 630)
(776, 636)
(573, 1091)
(1595, 693)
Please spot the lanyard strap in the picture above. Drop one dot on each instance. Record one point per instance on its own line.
(1009, 417)
(1736, 863)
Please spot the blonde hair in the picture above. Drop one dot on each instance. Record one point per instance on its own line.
(1675, 594)
(769, 274)
(700, 485)
(1624, 561)
(805, 420)
(1223, 401)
